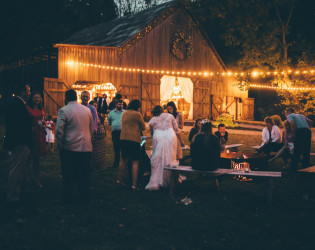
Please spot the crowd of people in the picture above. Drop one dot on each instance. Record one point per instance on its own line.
(80, 138)
(296, 140)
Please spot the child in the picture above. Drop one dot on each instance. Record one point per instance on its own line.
(50, 132)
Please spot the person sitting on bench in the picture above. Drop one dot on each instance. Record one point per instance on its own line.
(271, 138)
(195, 130)
(222, 135)
(287, 150)
(205, 149)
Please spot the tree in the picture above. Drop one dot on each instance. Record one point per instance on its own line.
(265, 35)
(126, 7)
(284, 28)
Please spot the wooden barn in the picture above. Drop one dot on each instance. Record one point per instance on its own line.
(156, 55)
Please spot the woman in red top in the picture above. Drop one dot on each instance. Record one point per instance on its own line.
(36, 111)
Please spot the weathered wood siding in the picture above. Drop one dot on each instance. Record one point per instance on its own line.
(54, 95)
(152, 52)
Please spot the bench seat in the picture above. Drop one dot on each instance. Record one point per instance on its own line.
(227, 171)
(222, 171)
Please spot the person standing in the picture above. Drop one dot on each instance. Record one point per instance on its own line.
(74, 130)
(112, 104)
(301, 129)
(85, 97)
(165, 133)
(18, 140)
(132, 124)
(171, 108)
(35, 108)
(99, 143)
(114, 120)
(104, 107)
(126, 100)
(50, 132)
(98, 100)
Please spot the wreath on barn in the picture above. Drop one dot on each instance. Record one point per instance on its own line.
(177, 39)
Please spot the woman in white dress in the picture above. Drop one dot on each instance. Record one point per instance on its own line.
(171, 109)
(165, 134)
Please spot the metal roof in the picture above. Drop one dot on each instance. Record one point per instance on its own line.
(116, 32)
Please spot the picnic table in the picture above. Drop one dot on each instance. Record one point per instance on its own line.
(270, 175)
(255, 160)
(233, 147)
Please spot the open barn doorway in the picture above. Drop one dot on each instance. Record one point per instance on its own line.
(179, 90)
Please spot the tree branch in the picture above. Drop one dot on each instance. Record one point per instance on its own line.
(290, 15)
(277, 11)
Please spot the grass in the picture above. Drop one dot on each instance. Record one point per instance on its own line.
(235, 218)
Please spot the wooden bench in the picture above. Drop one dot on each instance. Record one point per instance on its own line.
(310, 170)
(221, 171)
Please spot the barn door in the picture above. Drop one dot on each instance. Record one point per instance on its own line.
(201, 99)
(230, 106)
(248, 109)
(216, 106)
(54, 95)
(150, 95)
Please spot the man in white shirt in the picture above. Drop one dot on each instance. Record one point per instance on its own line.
(73, 134)
(271, 138)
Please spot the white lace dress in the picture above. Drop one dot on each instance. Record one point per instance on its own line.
(163, 129)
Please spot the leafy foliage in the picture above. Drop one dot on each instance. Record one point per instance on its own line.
(269, 35)
(226, 119)
(301, 101)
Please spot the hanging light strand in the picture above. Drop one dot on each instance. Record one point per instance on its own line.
(193, 73)
(282, 88)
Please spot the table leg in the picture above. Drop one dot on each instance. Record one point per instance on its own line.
(217, 183)
(172, 183)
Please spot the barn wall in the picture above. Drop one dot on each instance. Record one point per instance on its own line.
(152, 52)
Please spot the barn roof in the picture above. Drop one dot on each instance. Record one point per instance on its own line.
(116, 32)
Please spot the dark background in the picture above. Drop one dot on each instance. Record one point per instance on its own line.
(30, 28)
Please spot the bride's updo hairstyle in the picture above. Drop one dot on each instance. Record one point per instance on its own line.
(157, 110)
(206, 128)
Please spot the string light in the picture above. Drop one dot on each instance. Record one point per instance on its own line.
(107, 88)
(282, 88)
(188, 73)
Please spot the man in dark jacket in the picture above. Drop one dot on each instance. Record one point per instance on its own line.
(18, 140)
(112, 104)
(103, 105)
